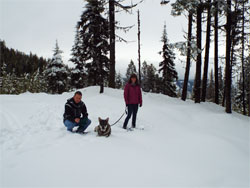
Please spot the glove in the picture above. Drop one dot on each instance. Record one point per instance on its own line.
(140, 105)
(126, 109)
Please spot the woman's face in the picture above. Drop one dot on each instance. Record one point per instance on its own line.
(133, 80)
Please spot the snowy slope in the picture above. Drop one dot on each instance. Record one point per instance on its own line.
(183, 144)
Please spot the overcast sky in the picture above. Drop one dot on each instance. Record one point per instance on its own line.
(34, 25)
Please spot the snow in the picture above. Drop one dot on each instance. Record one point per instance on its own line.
(182, 145)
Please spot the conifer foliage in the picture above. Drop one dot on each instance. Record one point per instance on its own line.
(167, 67)
(131, 69)
(78, 74)
(56, 73)
(91, 44)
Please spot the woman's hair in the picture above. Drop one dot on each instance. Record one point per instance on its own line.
(133, 76)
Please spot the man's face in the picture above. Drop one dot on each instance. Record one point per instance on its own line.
(77, 98)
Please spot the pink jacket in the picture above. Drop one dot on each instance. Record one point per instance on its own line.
(132, 94)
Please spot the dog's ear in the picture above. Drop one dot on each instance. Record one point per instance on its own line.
(107, 119)
(99, 119)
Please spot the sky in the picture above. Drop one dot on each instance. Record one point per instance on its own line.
(35, 25)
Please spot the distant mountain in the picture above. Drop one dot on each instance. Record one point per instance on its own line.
(179, 83)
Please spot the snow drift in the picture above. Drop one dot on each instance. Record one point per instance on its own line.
(183, 144)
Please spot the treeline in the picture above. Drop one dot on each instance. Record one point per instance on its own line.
(18, 63)
(93, 55)
(20, 72)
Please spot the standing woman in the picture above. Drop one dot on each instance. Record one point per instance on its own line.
(133, 98)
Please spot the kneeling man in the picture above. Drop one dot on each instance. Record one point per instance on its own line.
(75, 114)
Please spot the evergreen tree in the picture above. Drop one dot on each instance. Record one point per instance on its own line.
(220, 85)
(228, 73)
(78, 74)
(180, 7)
(151, 80)
(130, 70)
(113, 5)
(144, 76)
(37, 82)
(248, 84)
(210, 88)
(167, 67)
(216, 52)
(158, 83)
(56, 73)
(206, 60)
(118, 81)
(238, 97)
(197, 85)
(92, 43)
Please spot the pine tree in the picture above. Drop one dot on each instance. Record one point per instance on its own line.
(248, 83)
(130, 70)
(113, 4)
(167, 67)
(216, 52)
(144, 76)
(158, 83)
(56, 73)
(36, 82)
(210, 89)
(220, 85)
(151, 78)
(238, 98)
(178, 8)
(197, 85)
(228, 73)
(118, 81)
(92, 43)
(78, 75)
(206, 60)
(139, 45)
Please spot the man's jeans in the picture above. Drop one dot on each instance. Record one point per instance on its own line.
(82, 125)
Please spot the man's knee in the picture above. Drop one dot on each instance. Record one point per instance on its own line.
(88, 122)
(70, 125)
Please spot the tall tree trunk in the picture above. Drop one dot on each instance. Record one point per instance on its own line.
(112, 43)
(205, 72)
(101, 88)
(249, 105)
(185, 84)
(197, 85)
(242, 59)
(139, 47)
(216, 79)
(228, 62)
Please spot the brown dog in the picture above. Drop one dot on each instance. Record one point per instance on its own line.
(104, 128)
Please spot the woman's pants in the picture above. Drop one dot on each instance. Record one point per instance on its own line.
(132, 110)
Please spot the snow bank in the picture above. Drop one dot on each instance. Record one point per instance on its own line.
(183, 144)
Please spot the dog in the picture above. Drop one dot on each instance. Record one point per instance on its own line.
(104, 128)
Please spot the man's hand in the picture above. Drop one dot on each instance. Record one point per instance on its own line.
(140, 105)
(77, 120)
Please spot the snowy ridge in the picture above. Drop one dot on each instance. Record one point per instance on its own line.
(183, 144)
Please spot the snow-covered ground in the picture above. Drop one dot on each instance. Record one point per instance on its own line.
(182, 145)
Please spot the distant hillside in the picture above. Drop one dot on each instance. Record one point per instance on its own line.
(179, 83)
(14, 61)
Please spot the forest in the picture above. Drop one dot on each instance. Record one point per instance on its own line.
(93, 54)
